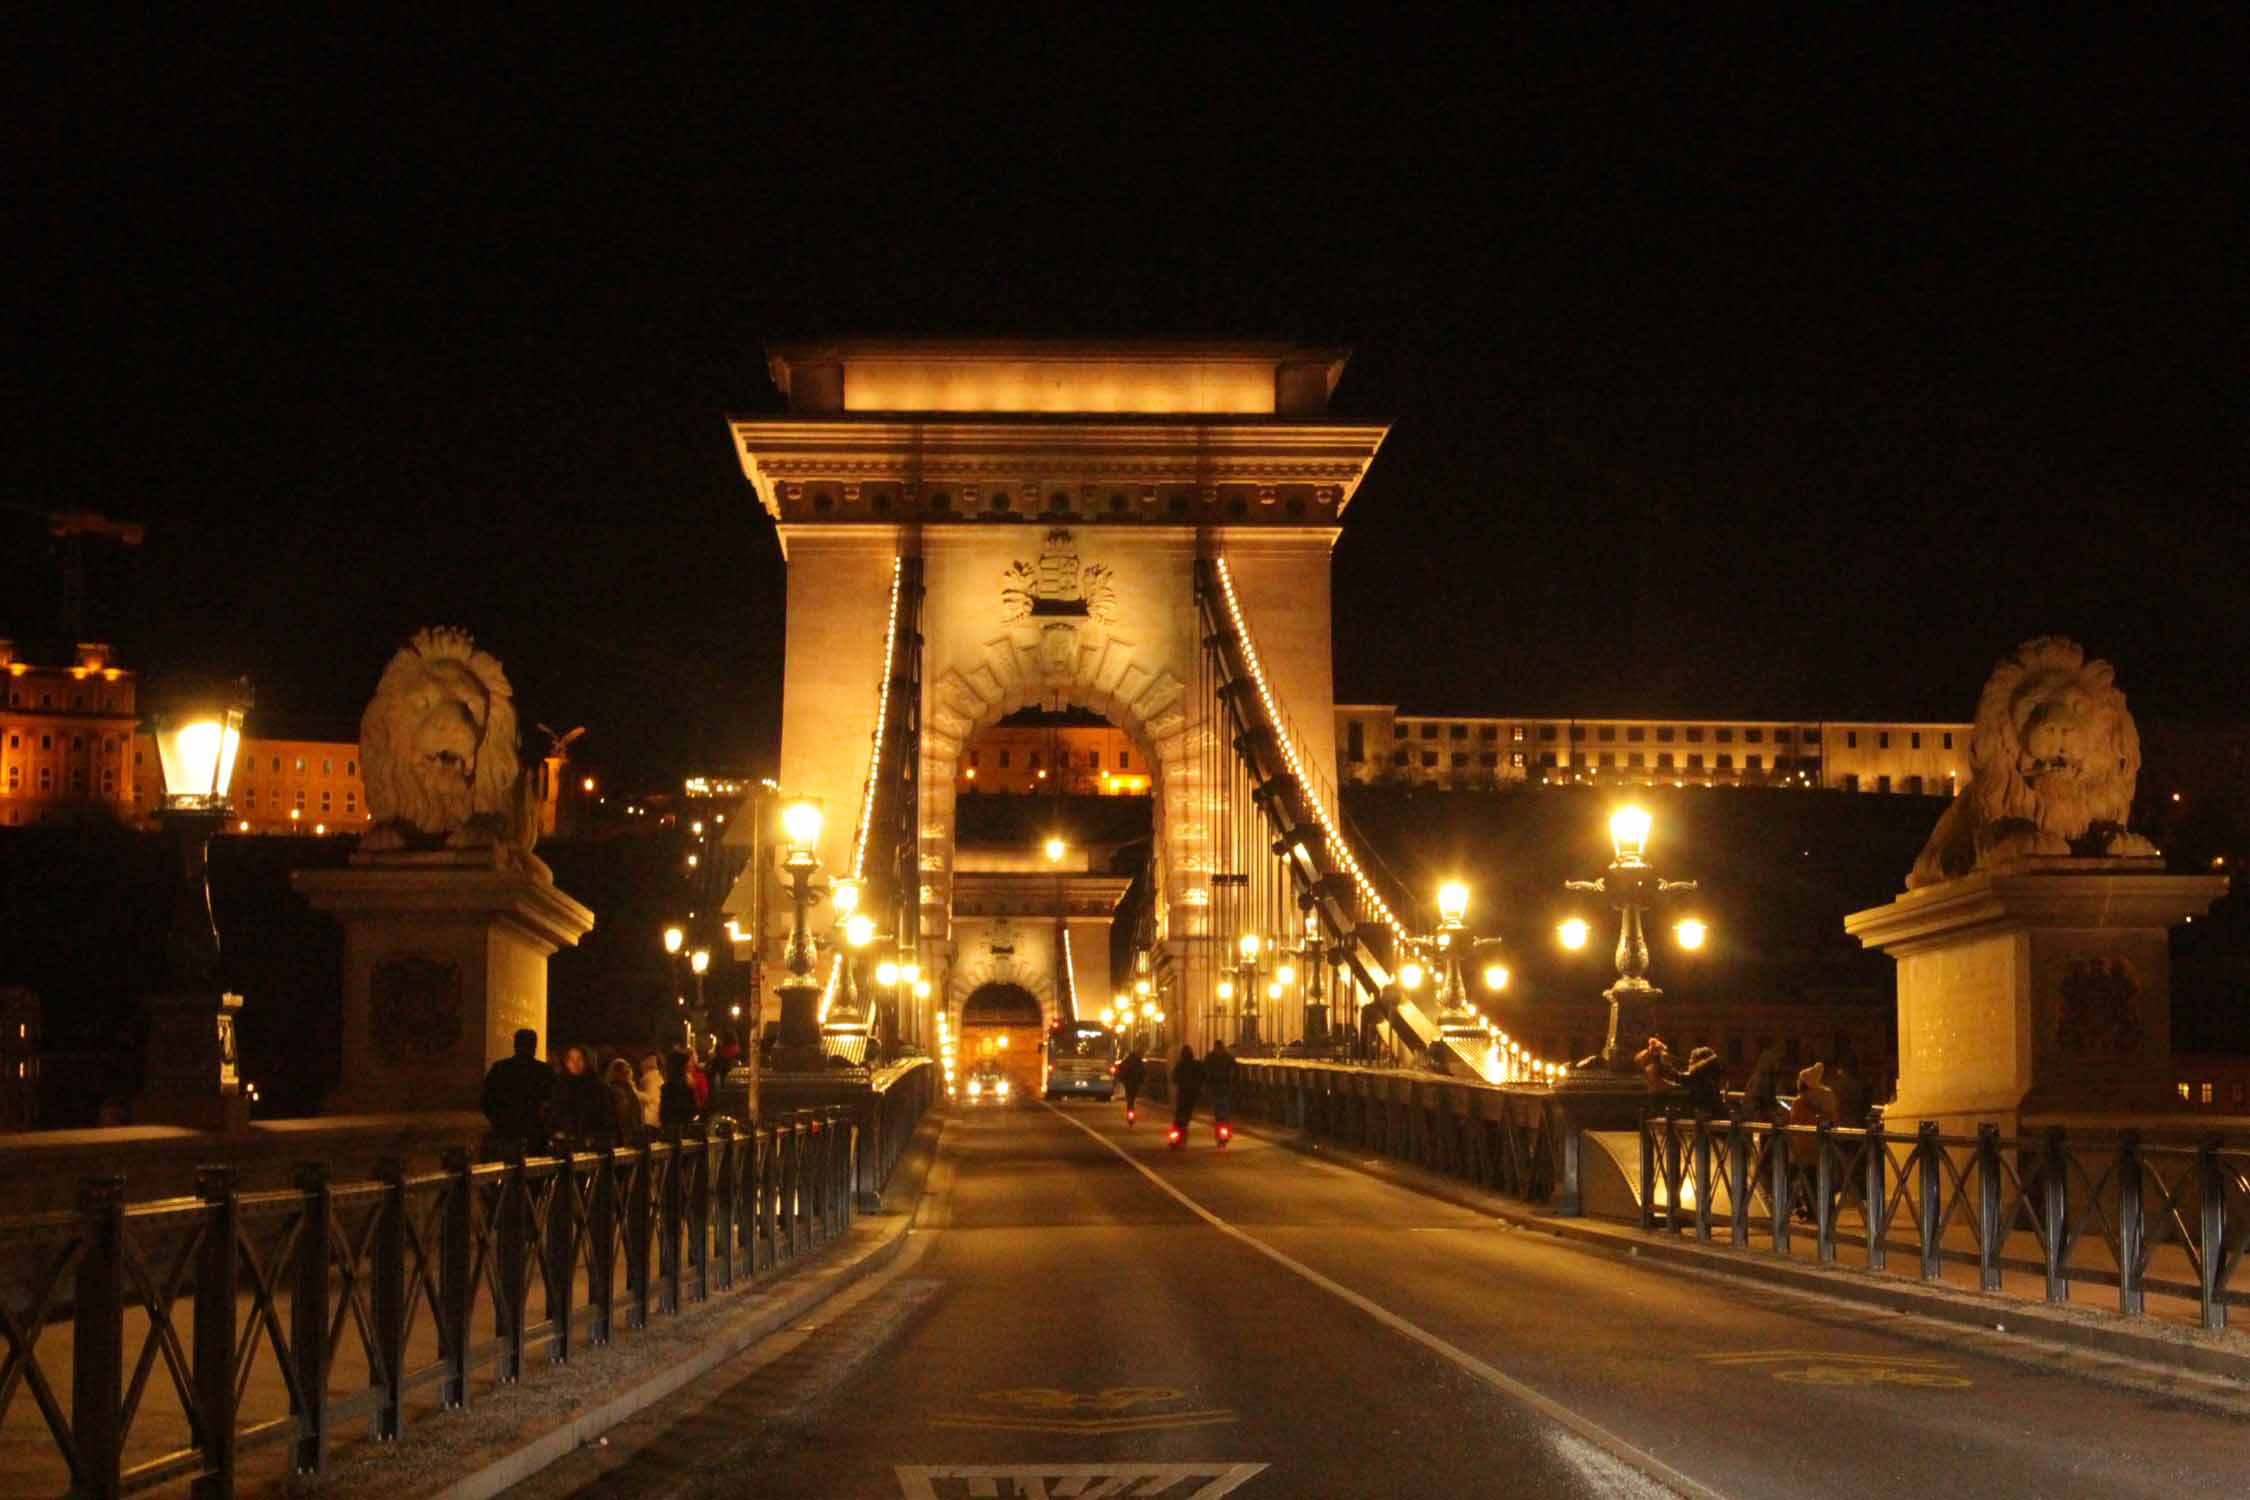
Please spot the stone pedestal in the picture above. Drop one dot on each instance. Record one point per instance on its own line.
(2039, 985)
(445, 956)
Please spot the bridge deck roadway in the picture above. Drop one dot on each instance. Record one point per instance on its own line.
(1062, 1323)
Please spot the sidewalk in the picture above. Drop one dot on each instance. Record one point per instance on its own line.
(2143, 1342)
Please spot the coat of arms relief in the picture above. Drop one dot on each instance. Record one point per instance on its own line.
(1058, 595)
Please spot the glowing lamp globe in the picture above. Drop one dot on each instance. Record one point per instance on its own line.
(921, 989)
(1691, 933)
(1628, 833)
(886, 974)
(910, 973)
(1248, 945)
(198, 726)
(800, 822)
(1286, 974)
(1140, 987)
(1226, 989)
(845, 897)
(700, 960)
(1452, 901)
(1573, 932)
(1055, 848)
(673, 938)
(1410, 976)
(1495, 976)
(859, 931)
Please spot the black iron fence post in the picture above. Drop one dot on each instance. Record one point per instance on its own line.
(640, 1225)
(308, 1318)
(1738, 1184)
(510, 1296)
(2054, 1207)
(556, 1248)
(1702, 1177)
(601, 1235)
(719, 1158)
(697, 1206)
(456, 1277)
(1647, 1184)
(1782, 1196)
(2131, 1225)
(215, 1328)
(388, 1300)
(668, 1214)
(1988, 1207)
(1878, 1193)
(98, 1338)
(2211, 1257)
(1824, 1191)
(1930, 1212)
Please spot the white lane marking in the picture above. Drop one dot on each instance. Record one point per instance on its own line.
(1585, 1427)
(1030, 1481)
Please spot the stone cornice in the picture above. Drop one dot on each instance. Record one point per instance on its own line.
(2037, 892)
(943, 468)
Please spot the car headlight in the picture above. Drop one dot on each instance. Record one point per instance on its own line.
(975, 1088)
(1001, 1088)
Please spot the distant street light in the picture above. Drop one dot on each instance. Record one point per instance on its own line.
(797, 1048)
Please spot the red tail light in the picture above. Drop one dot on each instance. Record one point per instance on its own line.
(1174, 1135)
(1226, 1132)
(1130, 1117)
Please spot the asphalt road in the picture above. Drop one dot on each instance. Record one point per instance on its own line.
(1081, 1312)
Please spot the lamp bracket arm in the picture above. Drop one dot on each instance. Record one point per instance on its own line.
(1675, 885)
(1584, 885)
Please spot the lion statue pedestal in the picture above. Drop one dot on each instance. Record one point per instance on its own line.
(449, 918)
(445, 956)
(2033, 940)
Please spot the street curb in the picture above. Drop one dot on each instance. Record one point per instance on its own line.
(829, 1271)
(2178, 1347)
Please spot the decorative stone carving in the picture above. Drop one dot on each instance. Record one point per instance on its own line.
(1058, 584)
(437, 748)
(2053, 760)
(416, 1003)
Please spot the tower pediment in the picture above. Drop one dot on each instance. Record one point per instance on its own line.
(1144, 377)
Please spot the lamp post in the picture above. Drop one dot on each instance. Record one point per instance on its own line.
(1632, 885)
(797, 1048)
(1248, 947)
(191, 1076)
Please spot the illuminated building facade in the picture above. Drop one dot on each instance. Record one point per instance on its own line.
(1073, 760)
(1375, 743)
(66, 735)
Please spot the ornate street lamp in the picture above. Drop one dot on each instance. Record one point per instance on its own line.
(797, 1048)
(191, 1076)
(1633, 886)
(1248, 946)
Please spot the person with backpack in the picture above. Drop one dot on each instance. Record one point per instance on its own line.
(1187, 1082)
(1131, 1074)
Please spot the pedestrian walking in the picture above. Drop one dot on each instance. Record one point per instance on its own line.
(651, 1087)
(516, 1091)
(1131, 1074)
(580, 1107)
(1187, 1082)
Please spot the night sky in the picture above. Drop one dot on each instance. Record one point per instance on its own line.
(1799, 372)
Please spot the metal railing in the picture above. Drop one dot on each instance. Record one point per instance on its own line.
(509, 1264)
(1511, 1141)
(2109, 1213)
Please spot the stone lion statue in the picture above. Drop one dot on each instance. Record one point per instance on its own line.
(2053, 759)
(437, 748)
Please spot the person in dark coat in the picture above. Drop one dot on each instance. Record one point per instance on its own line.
(1218, 1077)
(1187, 1082)
(1131, 1074)
(581, 1107)
(675, 1107)
(515, 1097)
(1702, 1082)
(624, 1099)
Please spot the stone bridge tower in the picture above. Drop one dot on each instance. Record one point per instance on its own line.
(1058, 496)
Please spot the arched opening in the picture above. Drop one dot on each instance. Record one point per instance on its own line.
(1002, 1026)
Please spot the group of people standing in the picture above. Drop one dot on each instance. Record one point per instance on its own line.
(582, 1097)
(1832, 1092)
